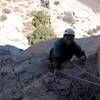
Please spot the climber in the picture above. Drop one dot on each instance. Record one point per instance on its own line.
(63, 50)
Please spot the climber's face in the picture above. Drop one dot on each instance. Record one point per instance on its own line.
(68, 39)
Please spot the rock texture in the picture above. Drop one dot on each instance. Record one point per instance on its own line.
(27, 76)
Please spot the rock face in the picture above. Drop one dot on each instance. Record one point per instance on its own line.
(23, 85)
(27, 76)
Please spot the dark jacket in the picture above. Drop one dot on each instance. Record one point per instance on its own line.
(64, 52)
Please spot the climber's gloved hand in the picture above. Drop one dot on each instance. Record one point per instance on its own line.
(82, 60)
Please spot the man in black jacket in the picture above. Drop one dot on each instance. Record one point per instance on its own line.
(64, 49)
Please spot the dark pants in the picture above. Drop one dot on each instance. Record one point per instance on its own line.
(56, 64)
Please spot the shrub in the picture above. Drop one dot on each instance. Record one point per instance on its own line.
(98, 27)
(40, 34)
(56, 2)
(41, 17)
(90, 32)
(3, 18)
(6, 10)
